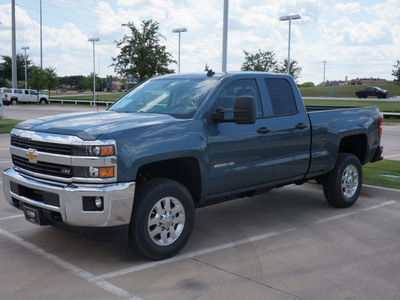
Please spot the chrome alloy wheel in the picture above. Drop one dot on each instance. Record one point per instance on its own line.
(350, 181)
(166, 221)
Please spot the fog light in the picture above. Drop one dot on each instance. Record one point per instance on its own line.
(98, 201)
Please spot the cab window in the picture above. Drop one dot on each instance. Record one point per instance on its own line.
(281, 95)
(242, 87)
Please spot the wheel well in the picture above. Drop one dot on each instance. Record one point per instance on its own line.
(183, 170)
(355, 144)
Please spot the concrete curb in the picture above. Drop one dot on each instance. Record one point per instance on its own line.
(377, 191)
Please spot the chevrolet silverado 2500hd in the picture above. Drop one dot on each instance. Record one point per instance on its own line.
(177, 142)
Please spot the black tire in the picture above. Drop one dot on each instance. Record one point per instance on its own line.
(343, 186)
(157, 236)
(359, 96)
(43, 101)
(14, 101)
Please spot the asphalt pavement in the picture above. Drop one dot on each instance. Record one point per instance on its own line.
(285, 244)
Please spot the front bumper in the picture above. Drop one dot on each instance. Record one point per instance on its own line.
(118, 199)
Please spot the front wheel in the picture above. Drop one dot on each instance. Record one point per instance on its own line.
(162, 219)
(344, 184)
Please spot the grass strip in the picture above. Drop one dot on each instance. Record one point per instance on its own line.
(384, 173)
(6, 125)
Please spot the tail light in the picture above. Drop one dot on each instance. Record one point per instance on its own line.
(5, 95)
(380, 125)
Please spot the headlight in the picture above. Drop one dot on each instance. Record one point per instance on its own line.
(101, 172)
(107, 150)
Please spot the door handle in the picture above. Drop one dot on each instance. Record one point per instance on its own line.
(301, 126)
(264, 130)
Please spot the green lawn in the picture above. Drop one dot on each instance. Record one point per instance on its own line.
(7, 124)
(346, 90)
(385, 173)
(106, 97)
(385, 106)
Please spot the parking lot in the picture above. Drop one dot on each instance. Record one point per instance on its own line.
(286, 244)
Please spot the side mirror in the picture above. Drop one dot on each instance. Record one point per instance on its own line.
(244, 112)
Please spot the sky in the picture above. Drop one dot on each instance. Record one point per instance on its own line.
(357, 39)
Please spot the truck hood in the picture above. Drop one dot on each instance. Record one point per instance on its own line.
(90, 125)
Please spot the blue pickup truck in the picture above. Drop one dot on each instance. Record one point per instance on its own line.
(177, 142)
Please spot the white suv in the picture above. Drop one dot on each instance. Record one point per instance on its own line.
(16, 96)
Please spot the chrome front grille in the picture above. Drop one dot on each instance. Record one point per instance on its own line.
(43, 167)
(55, 148)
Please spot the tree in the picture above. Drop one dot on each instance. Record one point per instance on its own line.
(38, 79)
(307, 84)
(396, 72)
(89, 82)
(141, 54)
(6, 67)
(294, 68)
(72, 80)
(51, 77)
(261, 61)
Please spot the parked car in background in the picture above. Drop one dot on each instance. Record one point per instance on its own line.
(18, 96)
(372, 91)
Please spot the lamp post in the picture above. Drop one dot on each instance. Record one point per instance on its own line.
(289, 18)
(26, 76)
(179, 30)
(94, 40)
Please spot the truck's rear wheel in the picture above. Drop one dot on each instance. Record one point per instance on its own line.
(162, 219)
(43, 101)
(344, 184)
(14, 101)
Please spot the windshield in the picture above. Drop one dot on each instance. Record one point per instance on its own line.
(179, 98)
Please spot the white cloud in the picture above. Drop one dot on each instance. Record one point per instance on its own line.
(345, 33)
(348, 8)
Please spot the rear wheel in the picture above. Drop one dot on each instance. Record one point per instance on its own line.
(344, 184)
(43, 101)
(14, 102)
(162, 219)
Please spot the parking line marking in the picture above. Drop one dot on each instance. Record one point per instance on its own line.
(192, 254)
(11, 217)
(378, 205)
(70, 267)
(335, 217)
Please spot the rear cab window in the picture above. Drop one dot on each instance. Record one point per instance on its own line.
(281, 96)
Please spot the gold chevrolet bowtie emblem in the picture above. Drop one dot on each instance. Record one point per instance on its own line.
(31, 154)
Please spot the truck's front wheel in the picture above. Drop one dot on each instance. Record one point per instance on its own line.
(344, 184)
(162, 219)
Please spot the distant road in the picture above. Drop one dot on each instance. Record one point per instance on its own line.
(26, 112)
(352, 99)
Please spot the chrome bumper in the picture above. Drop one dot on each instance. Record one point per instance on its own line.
(117, 208)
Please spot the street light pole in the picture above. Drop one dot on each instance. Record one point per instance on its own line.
(179, 30)
(289, 18)
(13, 47)
(26, 76)
(94, 40)
(225, 36)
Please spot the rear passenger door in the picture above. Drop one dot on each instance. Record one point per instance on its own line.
(291, 130)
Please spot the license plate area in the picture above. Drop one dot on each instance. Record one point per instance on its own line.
(32, 214)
